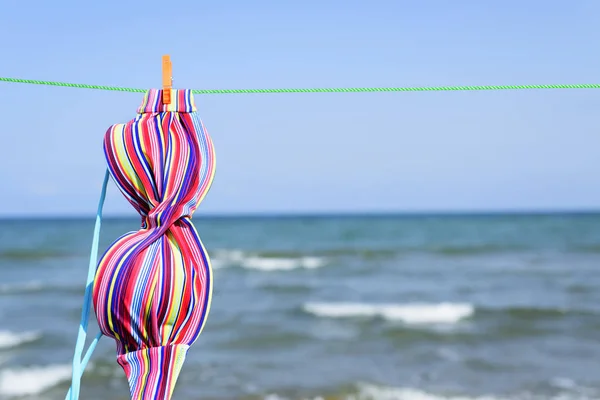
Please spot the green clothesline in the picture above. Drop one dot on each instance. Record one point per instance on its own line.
(315, 90)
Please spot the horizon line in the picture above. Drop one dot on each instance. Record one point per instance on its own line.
(324, 213)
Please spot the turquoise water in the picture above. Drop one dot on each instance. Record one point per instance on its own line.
(380, 307)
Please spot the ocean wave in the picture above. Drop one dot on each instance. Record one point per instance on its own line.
(361, 252)
(34, 380)
(368, 391)
(328, 252)
(280, 260)
(376, 392)
(21, 287)
(441, 313)
(268, 260)
(264, 261)
(11, 339)
(282, 264)
(436, 313)
(375, 253)
(223, 258)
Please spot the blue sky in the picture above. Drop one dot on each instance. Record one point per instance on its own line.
(460, 151)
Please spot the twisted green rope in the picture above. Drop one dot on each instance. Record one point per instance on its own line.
(315, 90)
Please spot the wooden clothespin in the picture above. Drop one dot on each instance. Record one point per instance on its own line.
(167, 79)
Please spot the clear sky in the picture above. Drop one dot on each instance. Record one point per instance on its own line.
(460, 151)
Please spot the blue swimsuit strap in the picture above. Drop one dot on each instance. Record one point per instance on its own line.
(79, 364)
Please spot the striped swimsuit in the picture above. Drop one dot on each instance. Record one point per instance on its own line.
(153, 287)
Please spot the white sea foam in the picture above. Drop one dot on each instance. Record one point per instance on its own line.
(442, 313)
(563, 383)
(282, 264)
(32, 380)
(381, 393)
(11, 339)
(224, 258)
(376, 392)
(21, 287)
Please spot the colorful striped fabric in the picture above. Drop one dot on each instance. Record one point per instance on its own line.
(153, 287)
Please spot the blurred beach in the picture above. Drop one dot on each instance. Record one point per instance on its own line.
(382, 307)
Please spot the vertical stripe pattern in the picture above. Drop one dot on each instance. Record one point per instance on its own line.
(153, 287)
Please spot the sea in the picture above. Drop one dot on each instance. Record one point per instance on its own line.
(333, 307)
